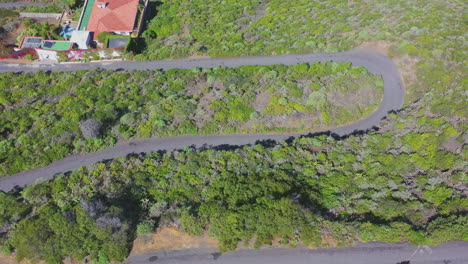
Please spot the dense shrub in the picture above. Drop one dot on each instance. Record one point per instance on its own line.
(316, 190)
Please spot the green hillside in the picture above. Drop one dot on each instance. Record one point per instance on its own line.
(405, 182)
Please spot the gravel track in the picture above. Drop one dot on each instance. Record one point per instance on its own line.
(375, 63)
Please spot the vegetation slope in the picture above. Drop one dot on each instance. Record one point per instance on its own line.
(48, 116)
(406, 182)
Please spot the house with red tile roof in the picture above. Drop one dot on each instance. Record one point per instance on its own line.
(122, 17)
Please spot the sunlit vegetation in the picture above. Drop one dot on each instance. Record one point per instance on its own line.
(432, 32)
(234, 27)
(405, 182)
(45, 117)
(317, 191)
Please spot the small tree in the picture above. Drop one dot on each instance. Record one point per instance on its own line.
(90, 128)
(146, 227)
(149, 34)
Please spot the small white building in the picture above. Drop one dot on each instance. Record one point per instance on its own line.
(47, 55)
(81, 38)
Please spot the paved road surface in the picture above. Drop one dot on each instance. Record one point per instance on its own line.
(373, 253)
(376, 63)
(17, 4)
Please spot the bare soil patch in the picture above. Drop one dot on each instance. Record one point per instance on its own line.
(378, 46)
(7, 259)
(362, 97)
(12, 260)
(262, 100)
(9, 38)
(452, 144)
(185, 30)
(168, 239)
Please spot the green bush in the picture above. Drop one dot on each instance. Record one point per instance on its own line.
(145, 228)
(266, 194)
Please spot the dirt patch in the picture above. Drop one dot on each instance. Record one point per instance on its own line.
(328, 240)
(204, 91)
(262, 100)
(204, 112)
(363, 97)
(10, 37)
(195, 87)
(452, 144)
(185, 30)
(378, 46)
(168, 239)
(407, 68)
(7, 259)
(12, 260)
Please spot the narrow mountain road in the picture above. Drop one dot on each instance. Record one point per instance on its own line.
(372, 253)
(19, 4)
(375, 63)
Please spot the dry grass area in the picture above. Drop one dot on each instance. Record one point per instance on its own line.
(7, 259)
(171, 238)
(378, 46)
(12, 260)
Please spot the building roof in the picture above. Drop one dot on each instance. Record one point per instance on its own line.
(31, 42)
(117, 15)
(57, 45)
(81, 38)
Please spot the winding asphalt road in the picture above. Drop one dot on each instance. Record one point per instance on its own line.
(376, 63)
(371, 253)
(18, 4)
